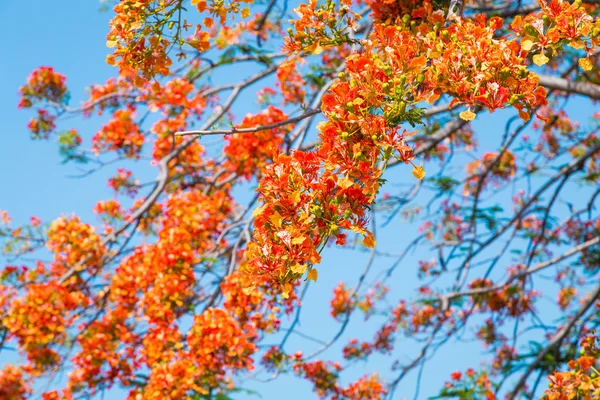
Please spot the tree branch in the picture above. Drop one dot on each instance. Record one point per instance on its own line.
(306, 114)
(556, 83)
(555, 341)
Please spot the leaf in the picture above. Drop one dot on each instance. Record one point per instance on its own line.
(467, 115)
(298, 240)
(577, 44)
(248, 290)
(276, 219)
(540, 59)
(299, 269)
(317, 49)
(312, 275)
(586, 64)
(418, 172)
(526, 44)
(345, 182)
(256, 212)
(445, 183)
(295, 197)
(286, 291)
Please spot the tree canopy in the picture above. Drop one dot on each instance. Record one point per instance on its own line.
(452, 145)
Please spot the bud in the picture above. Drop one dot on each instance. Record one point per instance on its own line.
(316, 210)
(546, 20)
(505, 72)
(402, 107)
(523, 73)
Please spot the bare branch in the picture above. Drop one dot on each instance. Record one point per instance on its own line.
(306, 114)
(445, 299)
(583, 88)
(555, 341)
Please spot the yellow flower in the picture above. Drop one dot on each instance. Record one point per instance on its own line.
(540, 59)
(586, 64)
(467, 115)
(418, 172)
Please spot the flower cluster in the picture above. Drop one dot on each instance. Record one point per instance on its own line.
(319, 25)
(472, 384)
(110, 208)
(290, 82)
(558, 23)
(12, 384)
(177, 97)
(40, 319)
(166, 142)
(106, 353)
(142, 32)
(121, 134)
(366, 387)
(384, 10)
(219, 344)
(124, 182)
(510, 300)
(44, 84)
(136, 46)
(75, 245)
(43, 125)
(497, 169)
(401, 65)
(249, 153)
(106, 96)
(342, 302)
(582, 378)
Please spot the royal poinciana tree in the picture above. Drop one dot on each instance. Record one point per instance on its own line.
(191, 285)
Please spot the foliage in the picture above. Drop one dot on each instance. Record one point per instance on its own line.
(181, 289)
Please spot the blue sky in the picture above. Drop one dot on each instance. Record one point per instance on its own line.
(70, 36)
